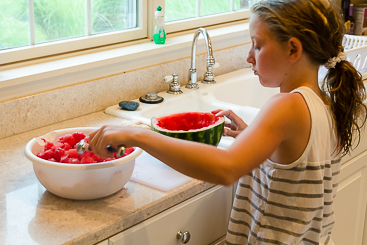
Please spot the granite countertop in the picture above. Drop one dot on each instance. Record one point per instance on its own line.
(30, 214)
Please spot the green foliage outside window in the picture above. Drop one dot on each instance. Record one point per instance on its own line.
(64, 19)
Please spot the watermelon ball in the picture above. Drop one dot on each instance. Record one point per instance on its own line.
(203, 127)
(64, 151)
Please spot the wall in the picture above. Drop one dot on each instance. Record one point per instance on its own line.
(38, 110)
(41, 109)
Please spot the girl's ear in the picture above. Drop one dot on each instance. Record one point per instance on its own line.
(295, 49)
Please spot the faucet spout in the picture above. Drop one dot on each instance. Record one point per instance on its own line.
(208, 43)
(192, 84)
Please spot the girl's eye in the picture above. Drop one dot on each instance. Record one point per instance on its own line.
(255, 47)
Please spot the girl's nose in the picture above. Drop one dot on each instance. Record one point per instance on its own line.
(250, 58)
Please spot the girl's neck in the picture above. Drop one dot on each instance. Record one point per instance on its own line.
(311, 83)
(302, 73)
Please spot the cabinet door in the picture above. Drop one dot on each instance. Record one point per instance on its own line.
(350, 202)
(204, 216)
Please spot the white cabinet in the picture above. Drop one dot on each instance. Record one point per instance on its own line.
(220, 241)
(205, 217)
(350, 202)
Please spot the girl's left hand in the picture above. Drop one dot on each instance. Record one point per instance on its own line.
(233, 128)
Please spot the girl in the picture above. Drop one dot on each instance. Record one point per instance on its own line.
(288, 159)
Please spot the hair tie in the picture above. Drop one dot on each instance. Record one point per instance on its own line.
(332, 61)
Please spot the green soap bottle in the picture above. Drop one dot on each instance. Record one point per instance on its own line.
(159, 34)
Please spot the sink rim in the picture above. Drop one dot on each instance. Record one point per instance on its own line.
(206, 95)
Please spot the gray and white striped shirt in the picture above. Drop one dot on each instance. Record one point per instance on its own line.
(291, 204)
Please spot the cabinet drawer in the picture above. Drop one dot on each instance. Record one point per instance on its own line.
(204, 216)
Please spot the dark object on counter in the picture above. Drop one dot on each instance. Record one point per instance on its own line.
(129, 105)
(345, 10)
(351, 19)
(151, 98)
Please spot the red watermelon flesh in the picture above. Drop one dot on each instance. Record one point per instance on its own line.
(186, 121)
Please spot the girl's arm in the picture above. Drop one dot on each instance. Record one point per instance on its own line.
(273, 126)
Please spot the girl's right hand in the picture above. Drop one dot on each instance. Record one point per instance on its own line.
(113, 135)
(236, 124)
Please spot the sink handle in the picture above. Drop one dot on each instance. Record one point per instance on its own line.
(168, 78)
(209, 75)
(174, 86)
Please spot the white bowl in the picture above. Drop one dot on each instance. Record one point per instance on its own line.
(80, 181)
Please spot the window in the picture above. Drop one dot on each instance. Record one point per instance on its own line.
(186, 9)
(39, 28)
(187, 14)
(33, 28)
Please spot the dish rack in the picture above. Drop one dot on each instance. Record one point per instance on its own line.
(352, 42)
(356, 50)
(355, 47)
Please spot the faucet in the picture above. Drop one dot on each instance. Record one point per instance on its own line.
(209, 75)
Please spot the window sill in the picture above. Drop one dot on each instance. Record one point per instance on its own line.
(37, 76)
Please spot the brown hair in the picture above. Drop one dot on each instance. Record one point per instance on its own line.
(320, 30)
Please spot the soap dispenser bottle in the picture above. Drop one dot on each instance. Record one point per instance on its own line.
(159, 34)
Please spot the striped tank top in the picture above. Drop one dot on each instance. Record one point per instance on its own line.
(291, 204)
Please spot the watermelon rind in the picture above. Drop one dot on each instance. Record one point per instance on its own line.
(208, 135)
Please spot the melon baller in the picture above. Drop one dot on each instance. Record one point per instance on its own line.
(82, 146)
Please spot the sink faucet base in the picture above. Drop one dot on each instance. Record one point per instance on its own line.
(209, 82)
(209, 76)
(192, 86)
(174, 92)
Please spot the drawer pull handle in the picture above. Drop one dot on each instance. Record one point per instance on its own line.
(184, 236)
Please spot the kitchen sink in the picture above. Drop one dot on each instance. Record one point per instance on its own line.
(239, 91)
(243, 91)
(188, 101)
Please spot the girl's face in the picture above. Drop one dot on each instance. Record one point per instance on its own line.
(267, 56)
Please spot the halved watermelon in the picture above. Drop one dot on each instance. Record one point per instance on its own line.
(202, 127)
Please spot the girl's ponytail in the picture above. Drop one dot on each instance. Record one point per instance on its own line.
(347, 95)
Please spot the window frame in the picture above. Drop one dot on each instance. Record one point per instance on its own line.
(143, 31)
(40, 74)
(35, 51)
(192, 23)
(209, 20)
(37, 76)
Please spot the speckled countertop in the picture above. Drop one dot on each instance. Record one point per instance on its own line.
(29, 214)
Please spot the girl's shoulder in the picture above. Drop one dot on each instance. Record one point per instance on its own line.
(284, 125)
(286, 103)
(285, 111)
